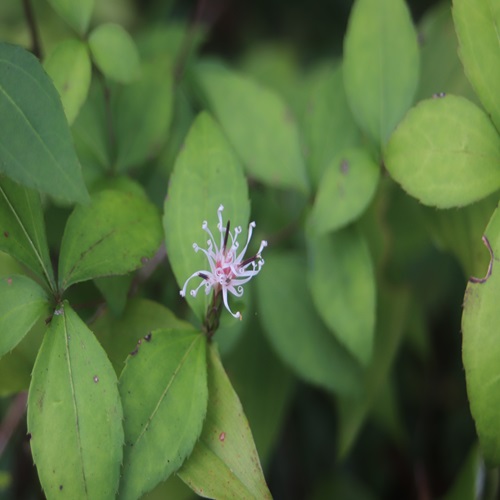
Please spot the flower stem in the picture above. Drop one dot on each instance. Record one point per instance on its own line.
(30, 19)
(212, 318)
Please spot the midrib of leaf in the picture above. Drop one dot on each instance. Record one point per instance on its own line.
(167, 388)
(74, 401)
(30, 241)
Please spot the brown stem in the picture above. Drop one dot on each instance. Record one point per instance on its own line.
(212, 318)
(12, 418)
(30, 19)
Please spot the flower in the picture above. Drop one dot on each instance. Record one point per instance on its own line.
(228, 269)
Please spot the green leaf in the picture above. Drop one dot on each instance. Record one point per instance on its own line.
(471, 473)
(149, 101)
(36, 148)
(76, 14)
(224, 463)
(206, 175)
(381, 65)
(342, 285)
(346, 188)
(445, 153)
(476, 24)
(114, 52)
(353, 410)
(329, 126)
(120, 336)
(164, 394)
(115, 234)
(115, 290)
(22, 302)
(481, 348)
(74, 413)
(296, 332)
(23, 229)
(257, 123)
(69, 67)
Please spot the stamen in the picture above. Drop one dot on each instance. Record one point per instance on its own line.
(226, 236)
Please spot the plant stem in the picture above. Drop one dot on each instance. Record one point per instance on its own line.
(30, 19)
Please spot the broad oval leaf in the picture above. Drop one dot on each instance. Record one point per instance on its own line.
(76, 14)
(74, 413)
(224, 463)
(114, 52)
(445, 153)
(295, 330)
(329, 126)
(206, 174)
(481, 347)
(476, 24)
(22, 302)
(257, 123)
(69, 67)
(164, 394)
(115, 234)
(381, 65)
(347, 187)
(342, 285)
(36, 148)
(22, 229)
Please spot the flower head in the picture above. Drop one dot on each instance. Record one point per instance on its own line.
(229, 270)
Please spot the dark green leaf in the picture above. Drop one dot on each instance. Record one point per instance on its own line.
(164, 394)
(22, 302)
(446, 153)
(36, 148)
(381, 65)
(224, 463)
(74, 413)
(115, 234)
(23, 229)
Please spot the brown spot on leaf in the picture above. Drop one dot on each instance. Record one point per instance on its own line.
(6, 234)
(344, 167)
(222, 436)
(147, 337)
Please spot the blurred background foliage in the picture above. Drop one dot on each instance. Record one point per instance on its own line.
(418, 440)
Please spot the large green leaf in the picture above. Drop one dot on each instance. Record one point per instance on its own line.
(381, 65)
(392, 309)
(114, 52)
(329, 126)
(115, 234)
(76, 14)
(477, 23)
(224, 463)
(347, 187)
(121, 336)
(296, 331)
(342, 285)
(258, 124)
(148, 101)
(481, 347)
(36, 148)
(23, 229)
(446, 153)
(164, 394)
(69, 67)
(74, 413)
(206, 175)
(22, 302)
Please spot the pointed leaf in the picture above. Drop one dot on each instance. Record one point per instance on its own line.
(74, 413)
(445, 153)
(342, 284)
(114, 52)
(258, 124)
(296, 331)
(115, 234)
(164, 394)
(22, 302)
(23, 229)
(36, 148)
(347, 187)
(381, 65)
(476, 24)
(224, 463)
(69, 67)
(76, 14)
(206, 175)
(481, 347)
